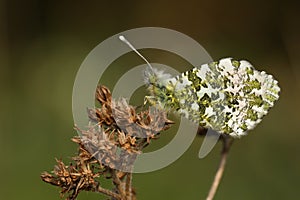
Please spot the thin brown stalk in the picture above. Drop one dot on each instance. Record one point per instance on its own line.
(224, 154)
(120, 186)
(108, 192)
(128, 186)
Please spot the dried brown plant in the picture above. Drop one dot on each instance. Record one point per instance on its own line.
(108, 148)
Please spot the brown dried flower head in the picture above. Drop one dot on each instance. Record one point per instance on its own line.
(117, 133)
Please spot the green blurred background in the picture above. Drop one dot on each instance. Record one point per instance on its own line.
(42, 44)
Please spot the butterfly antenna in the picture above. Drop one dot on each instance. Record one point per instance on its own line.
(123, 39)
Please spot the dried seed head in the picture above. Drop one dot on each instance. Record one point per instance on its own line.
(116, 135)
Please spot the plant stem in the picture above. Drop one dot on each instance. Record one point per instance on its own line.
(120, 186)
(128, 187)
(108, 192)
(226, 146)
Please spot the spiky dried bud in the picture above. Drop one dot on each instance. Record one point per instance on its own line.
(72, 179)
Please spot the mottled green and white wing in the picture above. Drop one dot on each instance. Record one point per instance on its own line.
(228, 96)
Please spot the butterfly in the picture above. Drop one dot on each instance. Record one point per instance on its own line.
(228, 96)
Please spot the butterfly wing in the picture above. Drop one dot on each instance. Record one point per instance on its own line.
(228, 96)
